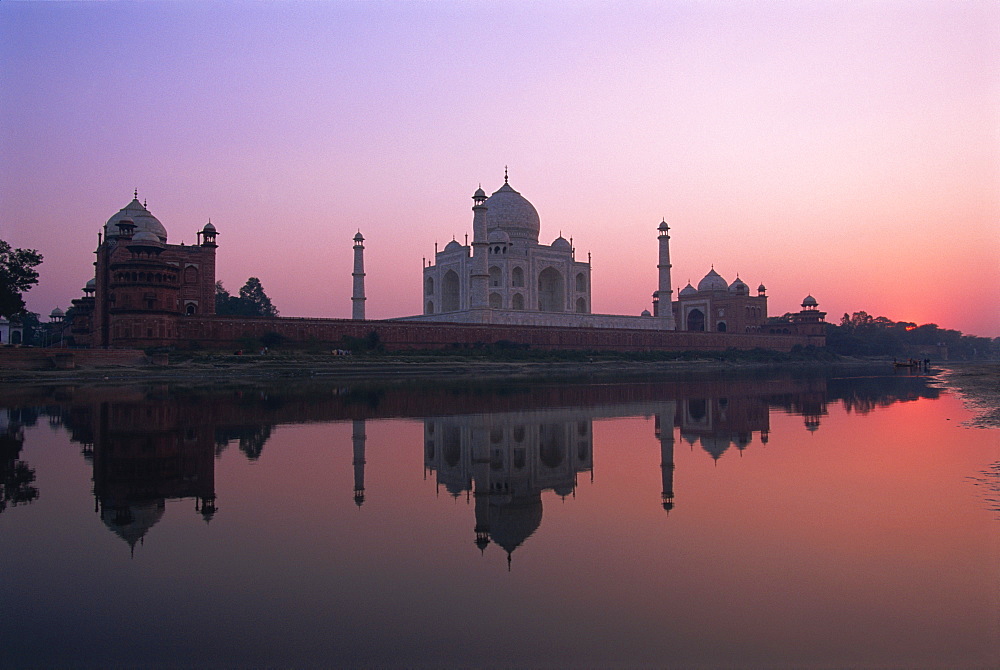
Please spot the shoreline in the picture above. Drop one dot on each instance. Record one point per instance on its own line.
(978, 385)
(220, 368)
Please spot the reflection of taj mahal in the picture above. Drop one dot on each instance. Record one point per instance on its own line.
(507, 460)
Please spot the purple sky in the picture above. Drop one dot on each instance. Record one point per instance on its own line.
(850, 150)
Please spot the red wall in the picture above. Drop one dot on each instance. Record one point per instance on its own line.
(229, 332)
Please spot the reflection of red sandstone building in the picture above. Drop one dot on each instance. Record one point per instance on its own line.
(144, 455)
(148, 293)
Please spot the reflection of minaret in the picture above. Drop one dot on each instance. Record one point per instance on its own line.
(664, 423)
(358, 298)
(358, 438)
(481, 476)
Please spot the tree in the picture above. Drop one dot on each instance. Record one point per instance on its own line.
(17, 275)
(252, 300)
(252, 294)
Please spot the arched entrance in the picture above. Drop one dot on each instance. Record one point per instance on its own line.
(449, 292)
(696, 320)
(550, 291)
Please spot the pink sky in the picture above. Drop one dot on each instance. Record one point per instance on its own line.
(847, 150)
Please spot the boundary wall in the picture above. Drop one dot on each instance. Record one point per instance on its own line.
(232, 332)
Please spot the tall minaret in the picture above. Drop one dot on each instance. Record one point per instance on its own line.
(358, 299)
(479, 286)
(358, 438)
(664, 294)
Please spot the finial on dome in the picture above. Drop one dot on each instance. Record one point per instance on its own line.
(135, 193)
(144, 203)
(505, 174)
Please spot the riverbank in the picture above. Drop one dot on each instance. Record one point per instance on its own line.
(979, 386)
(209, 368)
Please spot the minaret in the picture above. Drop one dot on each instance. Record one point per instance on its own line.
(358, 299)
(664, 293)
(358, 438)
(664, 422)
(480, 280)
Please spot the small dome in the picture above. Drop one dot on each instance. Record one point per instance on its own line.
(145, 240)
(453, 246)
(688, 290)
(210, 228)
(57, 313)
(480, 193)
(498, 236)
(562, 244)
(140, 216)
(646, 312)
(761, 288)
(91, 285)
(511, 211)
(712, 282)
(663, 226)
(809, 301)
(359, 237)
(739, 287)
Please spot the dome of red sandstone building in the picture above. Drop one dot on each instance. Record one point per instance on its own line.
(144, 221)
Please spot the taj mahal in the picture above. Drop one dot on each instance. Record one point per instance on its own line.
(506, 276)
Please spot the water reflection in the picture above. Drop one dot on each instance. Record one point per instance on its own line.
(501, 445)
(716, 507)
(145, 453)
(16, 477)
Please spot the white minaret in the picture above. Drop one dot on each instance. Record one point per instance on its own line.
(664, 294)
(480, 280)
(358, 299)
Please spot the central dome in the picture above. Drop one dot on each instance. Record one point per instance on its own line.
(713, 282)
(511, 212)
(144, 221)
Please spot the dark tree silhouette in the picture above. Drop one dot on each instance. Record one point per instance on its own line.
(252, 294)
(17, 275)
(251, 301)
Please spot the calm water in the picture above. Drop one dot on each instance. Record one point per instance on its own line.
(789, 521)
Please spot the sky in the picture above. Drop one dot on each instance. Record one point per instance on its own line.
(847, 150)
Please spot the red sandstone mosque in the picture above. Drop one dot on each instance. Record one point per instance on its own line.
(505, 286)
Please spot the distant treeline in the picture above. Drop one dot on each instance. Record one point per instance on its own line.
(860, 334)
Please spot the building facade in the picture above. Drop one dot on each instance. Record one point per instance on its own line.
(507, 263)
(504, 287)
(142, 284)
(507, 277)
(720, 307)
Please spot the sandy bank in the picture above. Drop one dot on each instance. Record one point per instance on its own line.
(979, 386)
